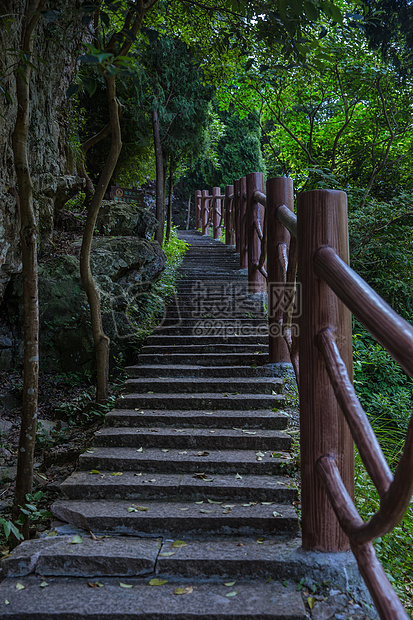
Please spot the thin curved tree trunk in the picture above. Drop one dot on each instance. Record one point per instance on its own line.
(28, 239)
(170, 191)
(100, 339)
(160, 175)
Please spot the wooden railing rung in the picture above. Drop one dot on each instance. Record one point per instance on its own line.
(288, 218)
(387, 327)
(363, 435)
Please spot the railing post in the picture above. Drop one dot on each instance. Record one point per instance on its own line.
(198, 195)
(204, 212)
(322, 220)
(236, 209)
(216, 216)
(228, 215)
(243, 243)
(255, 215)
(279, 192)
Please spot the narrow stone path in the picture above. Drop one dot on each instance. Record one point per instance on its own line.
(187, 481)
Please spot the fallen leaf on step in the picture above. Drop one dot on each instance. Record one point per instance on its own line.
(276, 514)
(206, 510)
(6, 602)
(228, 505)
(183, 509)
(259, 453)
(204, 453)
(203, 476)
(165, 450)
(157, 582)
(20, 586)
(186, 590)
(177, 544)
(267, 503)
(250, 432)
(260, 540)
(229, 584)
(90, 451)
(116, 473)
(92, 536)
(140, 474)
(97, 584)
(76, 539)
(139, 410)
(211, 501)
(139, 450)
(44, 584)
(311, 601)
(125, 585)
(184, 452)
(238, 477)
(233, 593)
(135, 508)
(167, 554)
(94, 471)
(201, 502)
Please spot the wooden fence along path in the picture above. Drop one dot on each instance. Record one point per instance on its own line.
(281, 249)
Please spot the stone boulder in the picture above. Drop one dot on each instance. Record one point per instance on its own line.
(117, 218)
(124, 268)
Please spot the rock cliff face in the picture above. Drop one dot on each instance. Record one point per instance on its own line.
(56, 48)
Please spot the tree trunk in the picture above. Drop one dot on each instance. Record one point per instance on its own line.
(160, 185)
(28, 238)
(100, 339)
(170, 190)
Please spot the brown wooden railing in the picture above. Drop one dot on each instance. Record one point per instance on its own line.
(274, 244)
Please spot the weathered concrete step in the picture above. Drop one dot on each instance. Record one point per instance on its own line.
(157, 370)
(206, 359)
(227, 385)
(278, 557)
(192, 438)
(191, 320)
(70, 557)
(166, 460)
(199, 340)
(177, 487)
(74, 599)
(203, 418)
(200, 401)
(157, 518)
(200, 350)
(222, 329)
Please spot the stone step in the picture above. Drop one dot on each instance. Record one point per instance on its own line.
(59, 556)
(157, 370)
(223, 329)
(158, 518)
(198, 418)
(170, 460)
(183, 385)
(200, 401)
(205, 349)
(190, 320)
(74, 599)
(206, 359)
(177, 487)
(192, 438)
(199, 339)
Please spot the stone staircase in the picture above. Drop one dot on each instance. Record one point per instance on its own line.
(182, 508)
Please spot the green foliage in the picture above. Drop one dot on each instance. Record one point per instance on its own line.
(394, 550)
(10, 529)
(31, 511)
(381, 247)
(384, 390)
